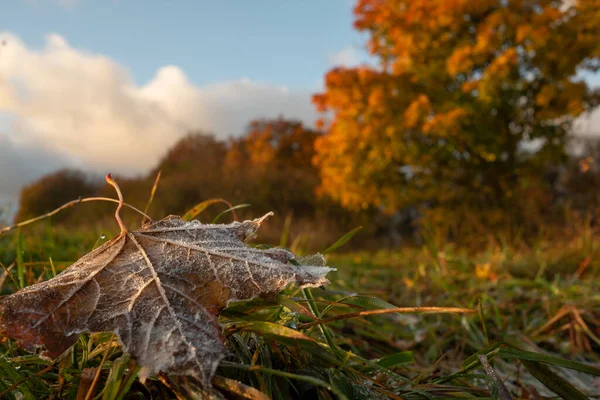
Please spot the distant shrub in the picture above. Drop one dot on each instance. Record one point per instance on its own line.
(191, 172)
(52, 191)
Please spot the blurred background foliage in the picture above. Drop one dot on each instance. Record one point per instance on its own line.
(464, 132)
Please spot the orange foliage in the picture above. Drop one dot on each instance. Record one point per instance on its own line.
(275, 143)
(273, 160)
(460, 85)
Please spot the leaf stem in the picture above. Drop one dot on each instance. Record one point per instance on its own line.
(113, 183)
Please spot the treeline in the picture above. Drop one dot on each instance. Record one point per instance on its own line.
(269, 167)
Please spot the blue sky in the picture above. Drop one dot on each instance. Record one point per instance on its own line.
(283, 42)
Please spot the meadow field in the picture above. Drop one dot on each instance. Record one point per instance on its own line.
(424, 322)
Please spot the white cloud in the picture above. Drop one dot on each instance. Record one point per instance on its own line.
(349, 56)
(70, 107)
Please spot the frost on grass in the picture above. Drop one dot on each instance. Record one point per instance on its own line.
(160, 289)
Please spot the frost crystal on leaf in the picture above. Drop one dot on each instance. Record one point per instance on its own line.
(160, 289)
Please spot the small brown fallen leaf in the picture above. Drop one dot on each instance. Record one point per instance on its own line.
(160, 290)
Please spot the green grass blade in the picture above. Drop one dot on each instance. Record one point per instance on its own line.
(290, 337)
(327, 335)
(341, 241)
(471, 362)
(230, 209)
(120, 378)
(242, 351)
(20, 266)
(134, 369)
(152, 193)
(200, 207)
(52, 267)
(304, 378)
(509, 352)
(283, 239)
(350, 389)
(552, 381)
(391, 361)
(295, 307)
(482, 320)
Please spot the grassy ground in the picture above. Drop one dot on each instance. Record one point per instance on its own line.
(536, 326)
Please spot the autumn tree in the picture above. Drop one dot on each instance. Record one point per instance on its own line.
(272, 164)
(470, 99)
(192, 171)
